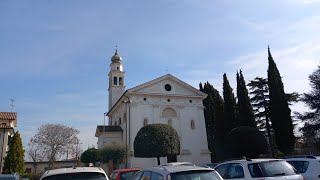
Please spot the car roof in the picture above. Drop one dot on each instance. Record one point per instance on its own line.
(251, 160)
(127, 170)
(177, 168)
(310, 157)
(9, 175)
(178, 164)
(72, 170)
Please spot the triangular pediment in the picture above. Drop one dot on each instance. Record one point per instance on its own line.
(167, 85)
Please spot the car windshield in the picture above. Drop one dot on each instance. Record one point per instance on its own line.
(300, 166)
(77, 176)
(127, 175)
(195, 175)
(271, 169)
(113, 175)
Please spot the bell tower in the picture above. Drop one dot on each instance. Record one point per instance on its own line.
(116, 79)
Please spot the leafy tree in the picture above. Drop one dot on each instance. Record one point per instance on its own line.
(54, 140)
(229, 108)
(33, 153)
(280, 113)
(213, 114)
(156, 140)
(114, 152)
(246, 116)
(246, 141)
(14, 161)
(91, 155)
(311, 129)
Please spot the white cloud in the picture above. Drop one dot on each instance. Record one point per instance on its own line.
(304, 1)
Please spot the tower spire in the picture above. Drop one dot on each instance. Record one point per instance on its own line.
(116, 53)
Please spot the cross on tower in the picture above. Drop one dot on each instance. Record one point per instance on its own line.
(12, 104)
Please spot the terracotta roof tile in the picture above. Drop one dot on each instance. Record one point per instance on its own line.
(8, 115)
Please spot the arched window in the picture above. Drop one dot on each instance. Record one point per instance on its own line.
(169, 112)
(193, 125)
(115, 81)
(145, 121)
(119, 121)
(120, 81)
(170, 122)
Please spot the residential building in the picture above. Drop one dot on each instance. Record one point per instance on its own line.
(8, 121)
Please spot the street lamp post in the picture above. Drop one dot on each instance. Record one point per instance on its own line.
(127, 102)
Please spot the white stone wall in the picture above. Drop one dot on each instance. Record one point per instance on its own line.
(193, 142)
(109, 138)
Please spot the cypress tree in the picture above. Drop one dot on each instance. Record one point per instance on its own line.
(229, 106)
(208, 116)
(214, 121)
(14, 161)
(280, 113)
(246, 116)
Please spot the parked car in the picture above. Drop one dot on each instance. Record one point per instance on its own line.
(212, 165)
(123, 174)
(308, 166)
(76, 173)
(177, 172)
(178, 164)
(14, 176)
(266, 169)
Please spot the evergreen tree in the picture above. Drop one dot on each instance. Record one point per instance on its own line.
(229, 106)
(311, 129)
(208, 116)
(214, 121)
(156, 140)
(14, 161)
(280, 113)
(91, 155)
(246, 116)
(245, 141)
(114, 152)
(260, 102)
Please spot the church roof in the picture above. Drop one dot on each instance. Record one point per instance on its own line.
(116, 57)
(102, 128)
(8, 115)
(135, 90)
(198, 92)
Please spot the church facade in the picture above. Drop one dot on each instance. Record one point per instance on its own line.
(166, 100)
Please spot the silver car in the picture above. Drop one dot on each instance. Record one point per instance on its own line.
(76, 173)
(256, 169)
(177, 172)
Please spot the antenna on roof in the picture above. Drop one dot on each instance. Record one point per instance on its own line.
(12, 104)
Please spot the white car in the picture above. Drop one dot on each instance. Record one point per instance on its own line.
(257, 169)
(308, 166)
(177, 172)
(76, 173)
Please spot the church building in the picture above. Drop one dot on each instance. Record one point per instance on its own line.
(166, 100)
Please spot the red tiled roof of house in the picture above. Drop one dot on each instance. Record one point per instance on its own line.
(8, 115)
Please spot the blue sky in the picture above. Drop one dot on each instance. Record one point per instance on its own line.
(55, 55)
